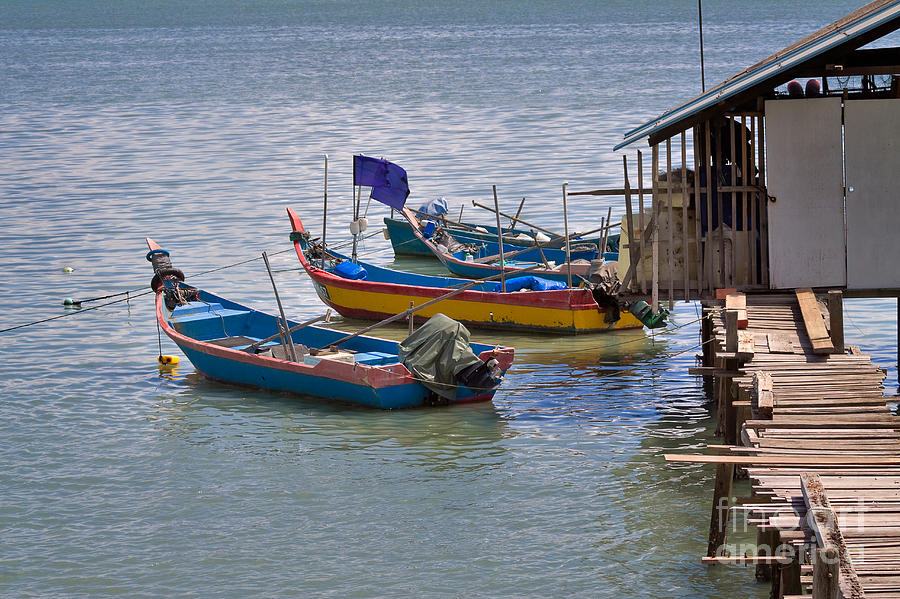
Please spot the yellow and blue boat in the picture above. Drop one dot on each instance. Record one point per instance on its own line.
(361, 290)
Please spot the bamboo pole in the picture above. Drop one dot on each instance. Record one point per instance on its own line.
(654, 291)
(286, 340)
(753, 199)
(686, 289)
(734, 279)
(527, 224)
(355, 219)
(698, 250)
(629, 220)
(640, 173)
(707, 157)
(670, 225)
(605, 245)
(296, 327)
(512, 224)
(745, 166)
(500, 240)
(720, 278)
(430, 302)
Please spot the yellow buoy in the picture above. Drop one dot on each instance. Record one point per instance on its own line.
(168, 360)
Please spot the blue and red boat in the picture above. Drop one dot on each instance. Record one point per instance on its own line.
(363, 290)
(229, 342)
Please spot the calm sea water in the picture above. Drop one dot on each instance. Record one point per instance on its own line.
(197, 123)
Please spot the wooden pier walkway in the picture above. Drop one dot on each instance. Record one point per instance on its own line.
(807, 420)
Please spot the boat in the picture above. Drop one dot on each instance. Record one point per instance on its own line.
(405, 243)
(233, 343)
(456, 258)
(382, 292)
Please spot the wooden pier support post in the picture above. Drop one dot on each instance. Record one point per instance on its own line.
(826, 573)
(790, 584)
(766, 542)
(706, 335)
(731, 329)
(718, 521)
(836, 317)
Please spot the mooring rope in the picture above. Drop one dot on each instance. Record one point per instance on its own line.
(130, 293)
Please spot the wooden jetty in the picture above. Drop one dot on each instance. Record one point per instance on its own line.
(807, 420)
(757, 188)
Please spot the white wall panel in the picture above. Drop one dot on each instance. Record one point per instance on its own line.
(804, 172)
(872, 130)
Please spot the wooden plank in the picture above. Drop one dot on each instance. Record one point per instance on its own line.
(829, 422)
(745, 345)
(813, 321)
(718, 521)
(738, 302)
(747, 559)
(765, 398)
(780, 343)
(850, 462)
(823, 521)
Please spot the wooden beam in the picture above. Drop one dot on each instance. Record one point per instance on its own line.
(738, 302)
(811, 461)
(836, 319)
(747, 560)
(833, 571)
(814, 322)
(765, 398)
(718, 520)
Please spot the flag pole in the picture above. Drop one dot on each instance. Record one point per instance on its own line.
(354, 201)
(324, 210)
(354, 226)
(566, 226)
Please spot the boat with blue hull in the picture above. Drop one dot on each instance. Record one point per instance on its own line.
(459, 262)
(362, 290)
(233, 343)
(406, 243)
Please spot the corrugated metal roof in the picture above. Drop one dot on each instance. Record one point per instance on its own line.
(839, 33)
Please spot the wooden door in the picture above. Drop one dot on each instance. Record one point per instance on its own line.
(871, 134)
(804, 173)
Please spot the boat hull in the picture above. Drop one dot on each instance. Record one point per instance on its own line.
(390, 386)
(568, 312)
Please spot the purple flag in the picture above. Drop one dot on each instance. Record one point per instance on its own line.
(387, 180)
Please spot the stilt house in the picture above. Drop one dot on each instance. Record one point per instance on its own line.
(786, 175)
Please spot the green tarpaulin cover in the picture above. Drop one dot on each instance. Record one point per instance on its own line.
(437, 352)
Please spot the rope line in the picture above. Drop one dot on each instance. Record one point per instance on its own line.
(128, 295)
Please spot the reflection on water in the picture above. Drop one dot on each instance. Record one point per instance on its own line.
(197, 124)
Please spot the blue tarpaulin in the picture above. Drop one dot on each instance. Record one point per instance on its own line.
(387, 180)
